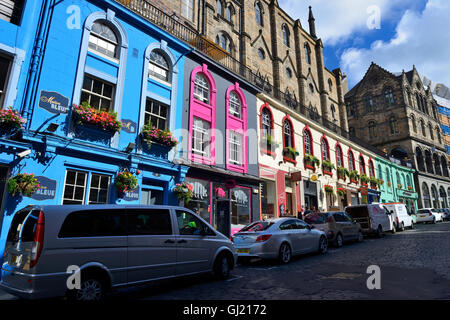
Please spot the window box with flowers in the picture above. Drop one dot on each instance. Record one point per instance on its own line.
(290, 154)
(389, 184)
(364, 180)
(87, 116)
(328, 167)
(374, 183)
(23, 184)
(410, 188)
(269, 145)
(341, 192)
(10, 121)
(343, 173)
(399, 186)
(354, 177)
(184, 192)
(125, 182)
(158, 142)
(311, 162)
(329, 189)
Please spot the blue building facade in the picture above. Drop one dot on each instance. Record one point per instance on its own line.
(101, 53)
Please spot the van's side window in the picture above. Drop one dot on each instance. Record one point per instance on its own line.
(149, 222)
(189, 224)
(94, 223)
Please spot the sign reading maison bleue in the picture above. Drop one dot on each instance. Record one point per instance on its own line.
(53, 102)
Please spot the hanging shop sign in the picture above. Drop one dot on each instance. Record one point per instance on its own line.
(129, 126)
(53, 102)
(46, 191)
(131, 196)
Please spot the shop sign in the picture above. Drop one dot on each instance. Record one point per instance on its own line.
(296, 176)
(46, 191)
(53, 102)
(131, 196)
(200, 191)
(241, 197)
(129, 126)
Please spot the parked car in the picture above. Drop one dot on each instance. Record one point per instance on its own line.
(429, 215)
(373, 218)
(446, 214)
(113, 246)
(399, 213)
(279, 238)
(338, 227)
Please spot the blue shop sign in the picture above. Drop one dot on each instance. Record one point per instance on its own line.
(131, 196)
(53, 102)
(129, 126)
(46, 191)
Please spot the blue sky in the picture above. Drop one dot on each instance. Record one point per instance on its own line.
(411, 32)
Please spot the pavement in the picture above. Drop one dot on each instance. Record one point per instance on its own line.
(414, 264)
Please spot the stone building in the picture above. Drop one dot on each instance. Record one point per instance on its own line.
(260, 36)
(396, 113)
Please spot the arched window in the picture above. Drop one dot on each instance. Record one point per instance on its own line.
(333, 111)
(430, 127)
(435, 195)
(286, 35)
(444, 165)
(288, 136)
(393, 125)
(438, 134)
(408, 93)
(225, 42)
(259, 14)
(429, 161)
(234, 105)
(201, 88)
(409, 181)
(422, 127)
(371, 168)
(437, 165)
(443, 198)
(103, 40)
(362, 165)
(372, 129)
(219, 7)
(414, 124)
(339, 156)
(289, 72)
(351, 131)
(187, 9)
(351, 161)
(266, 122)
(307, 142)
(380, 172)
(389, 97)
(261, 54)
(307, 53)
(420, 160)
(158, 66)
(230, 13)
(388, 175)
(325, 149)
(368, 102)
(330, 85)
(426, 195)
(419, 102)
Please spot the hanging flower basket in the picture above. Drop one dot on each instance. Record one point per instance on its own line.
(343, 173)
(184, 191)
(151, 134)
(354, 177)
(327, 165)
(341, 192)
(290, 152)
(364, 179)
(10, 119)
(125, 182)
(311, 161)
(389, 184)
(89, 116)
(329, 189)
(23, 184)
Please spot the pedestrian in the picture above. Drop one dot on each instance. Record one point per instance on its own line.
(300, 215)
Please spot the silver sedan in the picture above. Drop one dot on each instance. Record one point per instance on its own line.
(279, 239)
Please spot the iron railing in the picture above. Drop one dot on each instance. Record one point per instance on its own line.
(161, 19)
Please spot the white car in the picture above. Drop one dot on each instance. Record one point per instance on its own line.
(400, 216)
(373, 218)
(429, 215)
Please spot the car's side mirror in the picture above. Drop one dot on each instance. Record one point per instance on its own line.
(391, 212)
(310, 227)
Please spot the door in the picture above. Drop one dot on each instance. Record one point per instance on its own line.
(196, 243)
(344, 225)
(295, 237)
(3, 179)
(152, 197)
(353, 228)
(308, 237)
(152, 249)
(223, 214)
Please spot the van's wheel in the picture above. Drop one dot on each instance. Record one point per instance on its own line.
(339, 241)
(412, 225)
(222, 267)
(91, 289)
(402, 228)
(285, 253)
(394, 229)
(323, 245)
(434, 220)
(380, 232)
(360, 236)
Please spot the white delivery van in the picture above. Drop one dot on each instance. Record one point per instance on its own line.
(400, 216)
(373, 218)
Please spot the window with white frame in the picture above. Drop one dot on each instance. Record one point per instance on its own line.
(266, 122)
(158, 66)
(235, 105)
(75, 187)
(11, 10)
(98, 93)
(157, 114)
(201, 88)
(307, 141)
(325, 150)
(200, 137)
(187, 9)
(103, 40)
(235, 146)
(339, 156)
(287, 134)
(5, 67)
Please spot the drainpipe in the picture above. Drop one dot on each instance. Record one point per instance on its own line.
(36, 61)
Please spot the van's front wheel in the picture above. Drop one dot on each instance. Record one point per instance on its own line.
(222, 267)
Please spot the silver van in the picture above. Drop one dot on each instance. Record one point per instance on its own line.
(52, 249)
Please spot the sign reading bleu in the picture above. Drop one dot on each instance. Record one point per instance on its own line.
(46, 191)
(129, 126)
(131, 196)
(53, 102)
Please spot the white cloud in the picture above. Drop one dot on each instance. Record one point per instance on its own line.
(421, 39)
(338, 20)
